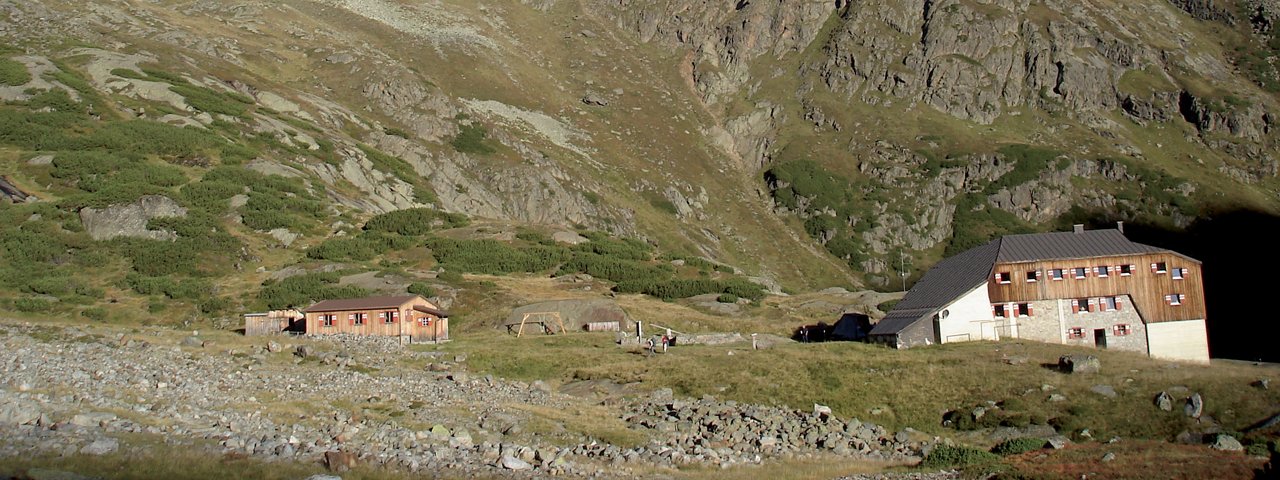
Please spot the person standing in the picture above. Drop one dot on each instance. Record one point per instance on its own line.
(665, 341)
(651, 346)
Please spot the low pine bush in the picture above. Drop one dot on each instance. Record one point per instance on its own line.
(946, 456)
(1018, 445)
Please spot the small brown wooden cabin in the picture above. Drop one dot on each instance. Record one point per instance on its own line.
(272, 323)
(411, 318)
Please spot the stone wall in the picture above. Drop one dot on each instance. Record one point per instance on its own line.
(1053, 318)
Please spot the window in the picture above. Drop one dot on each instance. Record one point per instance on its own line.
(1125, 270)
(388, 317)
(1159, 267)
(328, 319)
(1075, 333)
(1004, 277)
(1024, 309)
(1174, 298)
(1081, 305)
(1179, 273)
(1055, 274)
(356, 318)
(425, 320)
(1110, 304)
(1121, 329)
(1032, 276)
(1080, 272)
(1102, 271)
(998, 310)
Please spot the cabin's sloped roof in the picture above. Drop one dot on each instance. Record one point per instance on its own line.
(1069, 245)
(942, 284)
(432, 311)
(367, 303)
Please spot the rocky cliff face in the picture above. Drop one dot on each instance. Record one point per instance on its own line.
(661, 119)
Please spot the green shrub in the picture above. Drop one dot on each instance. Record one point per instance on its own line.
(303, 290)
(946, 456)
(615, 270)
(31, 305)
(360, 247)
(13, 73)
(1029, 164)
(683, 288)
(1018, 445)
(212, 101)
(396, 132)
(449, 276)
(471, 139)
(421, 289)
(56, 100)
(622, 249)
(414, 221)
(96, 314)
(493, 257)
(727, 298)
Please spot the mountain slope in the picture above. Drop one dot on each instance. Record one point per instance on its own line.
(805, 143)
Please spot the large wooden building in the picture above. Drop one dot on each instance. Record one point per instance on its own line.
(411, 318)
(1093, 288)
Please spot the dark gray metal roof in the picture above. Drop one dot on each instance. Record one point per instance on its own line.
(1069, 245)
(942, 284)
(899, 319)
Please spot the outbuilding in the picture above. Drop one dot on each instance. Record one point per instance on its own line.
(411, 318)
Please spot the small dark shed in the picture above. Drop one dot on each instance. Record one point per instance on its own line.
(851, 326)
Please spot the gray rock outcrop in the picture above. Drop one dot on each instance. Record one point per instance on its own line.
(1076, 364)
(130, 219)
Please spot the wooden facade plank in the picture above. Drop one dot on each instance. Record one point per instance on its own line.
(1147, 288)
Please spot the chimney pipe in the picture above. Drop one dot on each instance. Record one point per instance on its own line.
(1079, 228)
(1120, 225)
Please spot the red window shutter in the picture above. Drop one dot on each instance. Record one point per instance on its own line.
(1037, 274)
(1030, 311)
(1153, 267)
(1075, 306)
(1091, 305)
(1119, 303)
(351, 317)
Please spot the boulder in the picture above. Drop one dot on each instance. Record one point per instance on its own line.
(1076, 363)
(94, 419)
(193, 342)
(1104, 390)
(1194, 407)
(337, 461)
(304, 351)
(130, 219)
(19, 412)
(1164, 401)
(570, 238)
(1227, 443)
(101, 446)
(1057, 442)
(273, 347)
(512, 463)
(596, 99)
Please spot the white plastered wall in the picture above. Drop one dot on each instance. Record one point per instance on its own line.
(1184, 341)
(968, 318)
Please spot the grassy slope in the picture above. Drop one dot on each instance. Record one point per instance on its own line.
(912, 388)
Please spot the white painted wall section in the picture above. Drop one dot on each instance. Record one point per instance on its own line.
(967, 316)
(1185, 341)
